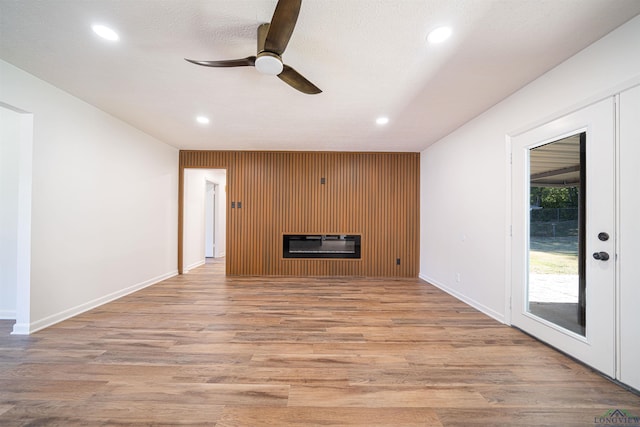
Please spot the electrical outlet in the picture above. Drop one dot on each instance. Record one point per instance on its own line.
(397, 261)
(458, 277)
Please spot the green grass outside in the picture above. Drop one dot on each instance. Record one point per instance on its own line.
(552, 263)
(557, 255)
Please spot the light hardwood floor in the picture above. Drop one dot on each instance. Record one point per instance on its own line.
(205, 349)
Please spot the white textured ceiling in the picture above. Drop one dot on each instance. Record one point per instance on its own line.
(368, 56)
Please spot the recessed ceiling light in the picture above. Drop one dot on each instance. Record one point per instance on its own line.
(105, 32)
(439, 35)
(382, 121)
(202, 120)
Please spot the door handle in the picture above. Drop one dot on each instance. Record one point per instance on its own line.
(602, 256)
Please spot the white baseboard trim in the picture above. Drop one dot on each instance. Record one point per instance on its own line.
(20, 329)
(195, 265)
(7, 315)
(26, 329)
(473, 303)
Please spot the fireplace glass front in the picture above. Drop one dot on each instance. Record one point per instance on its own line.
(321, 246)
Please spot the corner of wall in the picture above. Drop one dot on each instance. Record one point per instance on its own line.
(473, 303)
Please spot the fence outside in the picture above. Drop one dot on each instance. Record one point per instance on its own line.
(554, 222)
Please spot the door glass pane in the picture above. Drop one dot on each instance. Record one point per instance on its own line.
(556, 287)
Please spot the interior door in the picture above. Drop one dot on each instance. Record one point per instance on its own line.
(563, 233)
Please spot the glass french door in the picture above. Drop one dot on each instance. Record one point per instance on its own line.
(563, 230)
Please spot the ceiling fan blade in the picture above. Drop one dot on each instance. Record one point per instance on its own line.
(243, 62)
(282, 24)
(296, 81)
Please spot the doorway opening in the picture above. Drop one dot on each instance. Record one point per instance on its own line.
(16, 174)
(204, 213)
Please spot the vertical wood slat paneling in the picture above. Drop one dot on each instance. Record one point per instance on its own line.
(372, 194)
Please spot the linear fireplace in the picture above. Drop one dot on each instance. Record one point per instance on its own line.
(321, 246)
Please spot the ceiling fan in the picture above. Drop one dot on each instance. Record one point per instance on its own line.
(272, 41)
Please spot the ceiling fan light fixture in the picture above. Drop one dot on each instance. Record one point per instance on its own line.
(269, 63)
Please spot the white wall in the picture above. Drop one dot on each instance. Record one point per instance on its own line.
(209, 220)
(104, 203)
(9, 152)
(220, 178)
(465, 176)
(194, 214)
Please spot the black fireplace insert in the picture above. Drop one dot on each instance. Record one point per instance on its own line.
(321, 246)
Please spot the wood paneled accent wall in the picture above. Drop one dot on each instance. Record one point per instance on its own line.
(375, 195)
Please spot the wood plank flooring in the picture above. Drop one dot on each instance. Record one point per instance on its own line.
(205, 349)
